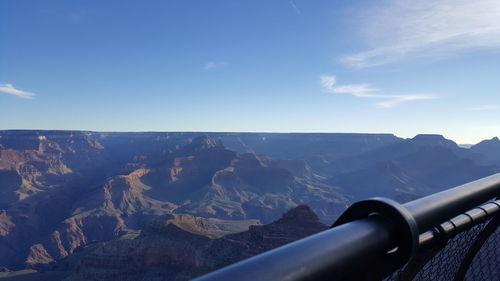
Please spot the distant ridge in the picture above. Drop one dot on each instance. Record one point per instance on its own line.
(490, 148)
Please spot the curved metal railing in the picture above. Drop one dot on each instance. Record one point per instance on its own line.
(379, 239)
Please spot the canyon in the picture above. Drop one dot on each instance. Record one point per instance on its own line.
(77, 204)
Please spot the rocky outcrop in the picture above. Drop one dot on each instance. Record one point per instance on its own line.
(295, 224)
(38, 255)
(24, 173)
(172, 252)
(5, 223)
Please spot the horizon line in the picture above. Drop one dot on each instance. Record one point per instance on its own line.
(243, 132)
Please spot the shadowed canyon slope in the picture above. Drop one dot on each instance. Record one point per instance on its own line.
(64, 191)
(170, 250)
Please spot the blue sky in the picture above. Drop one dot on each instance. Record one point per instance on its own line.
(379, 66)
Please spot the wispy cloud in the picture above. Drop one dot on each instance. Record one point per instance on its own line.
(394, 100)
(10, 90)
(409, 29)
(295, 8)
(486, 107)
(328, 82)
(213, 64)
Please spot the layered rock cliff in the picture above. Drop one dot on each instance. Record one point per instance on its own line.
(173, 252)
(76, 188)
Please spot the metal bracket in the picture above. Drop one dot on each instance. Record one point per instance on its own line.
(401, 223)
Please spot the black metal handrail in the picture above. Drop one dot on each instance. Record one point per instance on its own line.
(370, 240)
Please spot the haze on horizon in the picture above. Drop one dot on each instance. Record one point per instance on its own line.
(385, 66)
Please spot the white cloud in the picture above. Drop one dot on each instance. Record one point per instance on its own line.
(10, 90)
(486, 107)
(365, 91)
(407, 29)
(394, 100)
(213, 64)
